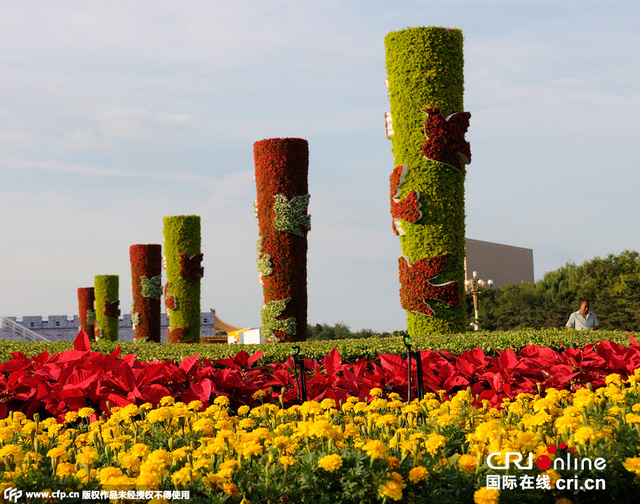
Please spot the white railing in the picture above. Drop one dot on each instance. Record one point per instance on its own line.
(21, 331)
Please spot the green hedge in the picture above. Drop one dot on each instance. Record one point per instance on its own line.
(106, 288)
(424, 70)
(489, 342)
(182, 242)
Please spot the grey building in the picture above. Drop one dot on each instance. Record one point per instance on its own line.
(504, 264)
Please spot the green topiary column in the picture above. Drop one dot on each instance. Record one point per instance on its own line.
(426, 126)
(107, 307)
(86, 311)
(282, 166)
(183, 260)
(146, 286)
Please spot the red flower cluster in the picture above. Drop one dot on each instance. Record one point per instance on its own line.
(177, 335)
(282, 166)
(445, 138)
(190, 267)
(416, 289)
(112, 309)
(54, 384)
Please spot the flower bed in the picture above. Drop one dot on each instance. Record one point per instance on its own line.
(373, 450)
(53, 385)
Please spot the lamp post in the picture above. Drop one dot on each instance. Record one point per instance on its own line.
(475, 286)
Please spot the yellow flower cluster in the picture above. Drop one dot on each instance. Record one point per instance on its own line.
(398, 449)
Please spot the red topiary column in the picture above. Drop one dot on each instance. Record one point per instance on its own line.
(146, 284)
(282, 166)
(86, 312)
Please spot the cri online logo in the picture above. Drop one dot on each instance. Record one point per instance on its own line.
(543, 462)
(12, 494)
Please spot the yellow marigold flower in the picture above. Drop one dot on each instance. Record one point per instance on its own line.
(391, 489)
(527, 441)
(468, 462)
(86, 412)
(632, 418)
(149, 480)
(375, 449)
(243, 410)
(569, 423)
(287, 460)
(159, 457)
(258, 395)
(106, 474)
(230, 489)
(167, 400)
(330, 462)
(613, 378)
(434, 442)
(246, 423)
(250, 449)
(375, 392)
(139, 450)
(393, 463)
(632, 465)
(585, 435)
(418, 474)
(360, 407)
(377, 404)
(159, 415)
(583, 398)
(58, 453)
(328, 403)
(182, 476)
(615, 410)
(384, 420)
(12, 451)
(221, 401)
(486, 496)
(64, 469)
(71, 416)
(195, 405)
(394, 395)
(311, 408)
(553, 476)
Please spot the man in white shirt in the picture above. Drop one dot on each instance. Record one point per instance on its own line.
(583, 319)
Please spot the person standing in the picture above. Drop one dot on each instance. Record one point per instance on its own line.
(583, 319)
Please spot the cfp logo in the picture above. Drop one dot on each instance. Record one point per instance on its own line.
(12, 494)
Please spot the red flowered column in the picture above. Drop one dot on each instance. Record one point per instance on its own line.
(146, 285)
(282, 166)
(86, 312)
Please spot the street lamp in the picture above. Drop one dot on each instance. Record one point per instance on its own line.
(475, 286)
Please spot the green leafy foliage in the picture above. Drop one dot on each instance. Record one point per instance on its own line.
(611, 284)
(350, 349)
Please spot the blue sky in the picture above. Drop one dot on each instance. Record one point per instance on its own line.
(116, 114)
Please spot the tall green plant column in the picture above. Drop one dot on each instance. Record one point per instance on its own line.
(146, 286)
(86, 311)
(107, 306)
(426, 126)
(183, 260)
(282, 167)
